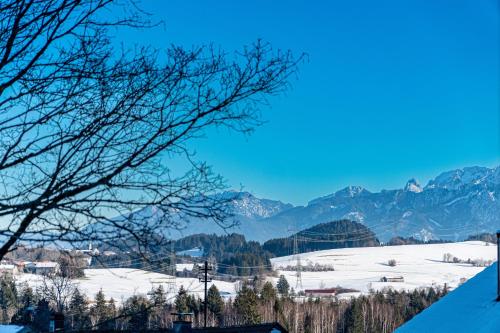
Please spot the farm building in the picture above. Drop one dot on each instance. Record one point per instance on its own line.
(392, 279)
(42, 267)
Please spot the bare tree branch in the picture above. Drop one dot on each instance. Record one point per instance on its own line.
(88, 132)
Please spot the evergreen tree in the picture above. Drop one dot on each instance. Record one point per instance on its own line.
(215, 303)
(283, 286)
(112, 313)
(41, 320)
(78, 312)
(158, 296)
(8, 298)
(182, 300)
(268, 293)
(354, 316)
(26, 305)
(137, 310)
(245, 304)
(99, 312)
(158, 300)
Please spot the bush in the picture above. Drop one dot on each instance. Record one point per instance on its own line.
(392, 262)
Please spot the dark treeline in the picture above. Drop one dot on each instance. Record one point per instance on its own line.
(485, 237)
(256, 302)
(325, 236)
(233, 253)
(413, 241)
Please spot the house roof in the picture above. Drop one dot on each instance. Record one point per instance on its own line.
(13, 329)
(46, 264)
(7, 266)
(472, 307)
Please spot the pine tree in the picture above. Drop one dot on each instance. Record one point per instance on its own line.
(182, 301)
(138, 309)
(268, 293)
(78, 316)
(354, 316)
(26, 303)
(8, 298)
(283, 286)
(99, 312)
(41, 320)
(158, 296)
(215, 303)
(112, 314)
(245, 304)
(158, 301)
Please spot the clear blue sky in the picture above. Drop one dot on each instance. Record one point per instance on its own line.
(392, 90)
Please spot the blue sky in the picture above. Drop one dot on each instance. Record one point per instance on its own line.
(392, 90)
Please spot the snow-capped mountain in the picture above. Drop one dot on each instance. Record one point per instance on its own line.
(248, 214)
(451, 206)
(247, 205)
(413, 186)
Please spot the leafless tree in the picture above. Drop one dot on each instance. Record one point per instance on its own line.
(89, 131)
(57, 290)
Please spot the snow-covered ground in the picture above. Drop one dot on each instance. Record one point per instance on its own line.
(362, 268)
(182, 267)
(470, 308)
(121, 283)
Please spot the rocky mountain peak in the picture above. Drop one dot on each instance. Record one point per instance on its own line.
(412, 185)
(351, 191)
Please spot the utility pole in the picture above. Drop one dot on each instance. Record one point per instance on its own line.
(204, 278)
(172, 271)
(298, 273)
(498, 265)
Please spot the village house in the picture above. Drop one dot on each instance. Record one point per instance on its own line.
(8, 270)
(42, 267)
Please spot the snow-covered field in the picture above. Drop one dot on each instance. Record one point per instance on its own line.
(362, 268)
(121, 283)
(356, 268)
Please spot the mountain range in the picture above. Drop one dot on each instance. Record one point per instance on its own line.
(451, 206)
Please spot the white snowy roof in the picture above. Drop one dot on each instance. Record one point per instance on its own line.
(46, 264)
(470, 308)
(7, 266)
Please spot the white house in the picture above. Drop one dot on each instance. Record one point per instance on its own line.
(8, 270)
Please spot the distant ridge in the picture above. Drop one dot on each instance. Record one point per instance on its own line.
(324, 236)
(451, 206)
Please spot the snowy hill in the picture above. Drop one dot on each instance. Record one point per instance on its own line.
(470, 308)
(362, 268)
(122, 283)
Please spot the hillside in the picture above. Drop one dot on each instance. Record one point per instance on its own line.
(418, 265)
(233, 253)
(324, 236)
